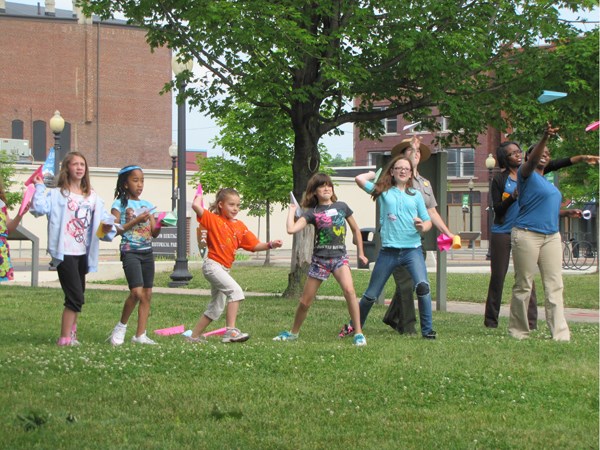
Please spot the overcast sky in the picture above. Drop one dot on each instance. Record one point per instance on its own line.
(201, 130)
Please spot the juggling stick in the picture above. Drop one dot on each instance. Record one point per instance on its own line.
(169, 331)
(377, 175)
(411, 126)
(27, 196)
(549, 96)
(159, 218)
(593, 126)
(217, 332)
(295, 202)
(37, 172)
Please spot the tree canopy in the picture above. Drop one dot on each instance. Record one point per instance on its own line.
(7, 171)
(308, 60)
(323, 63)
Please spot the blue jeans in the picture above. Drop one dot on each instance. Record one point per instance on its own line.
(387, 261)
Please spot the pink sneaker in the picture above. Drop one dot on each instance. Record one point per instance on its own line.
(346, 330)
(64, 341)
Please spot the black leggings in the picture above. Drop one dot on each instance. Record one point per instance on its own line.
(71, 274)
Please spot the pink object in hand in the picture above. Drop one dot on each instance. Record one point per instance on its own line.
(444, 242)
(27, 196)
(37, 173)
(593, 126)
(157, 223)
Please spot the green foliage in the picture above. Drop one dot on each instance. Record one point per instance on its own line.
(471, 388)
(7, 171)
(339, 161)
(310, 60)
(571, 67)
(321, 64)
(258, 164)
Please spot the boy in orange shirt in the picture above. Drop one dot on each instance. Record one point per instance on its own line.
(225, 235)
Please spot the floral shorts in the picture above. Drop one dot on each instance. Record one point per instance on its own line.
(320, 268)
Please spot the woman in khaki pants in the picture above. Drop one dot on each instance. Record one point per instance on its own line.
(536, 244)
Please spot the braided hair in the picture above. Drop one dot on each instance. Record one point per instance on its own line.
(120, 191)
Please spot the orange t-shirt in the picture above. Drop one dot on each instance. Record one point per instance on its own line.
(225, 237)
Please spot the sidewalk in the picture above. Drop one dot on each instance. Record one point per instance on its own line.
(111, 269)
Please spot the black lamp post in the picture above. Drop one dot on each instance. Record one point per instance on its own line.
(490, 163)
(471, 185)
(57, 125)
(174, 195)
(181, 275)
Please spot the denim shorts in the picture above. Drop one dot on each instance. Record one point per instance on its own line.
(321, 268)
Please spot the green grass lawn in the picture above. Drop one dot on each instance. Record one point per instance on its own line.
(581, 291)
(472, 388)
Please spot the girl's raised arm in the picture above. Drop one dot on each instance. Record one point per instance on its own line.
(362, 179)
(291, 225)
(197, 205)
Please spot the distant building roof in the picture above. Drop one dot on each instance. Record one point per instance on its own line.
(350, 172)
(39, 11)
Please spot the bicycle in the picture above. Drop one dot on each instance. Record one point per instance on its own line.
(578, 255)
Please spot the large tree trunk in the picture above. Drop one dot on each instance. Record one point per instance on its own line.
(301, 255)
(306, 163)
(268, 229)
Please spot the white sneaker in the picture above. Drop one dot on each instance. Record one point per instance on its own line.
(74, 341)
(143, 339)
(117, 336)
(235, 335)
(198, 340)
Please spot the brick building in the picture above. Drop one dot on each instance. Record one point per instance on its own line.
(100, 75)
(464, 164)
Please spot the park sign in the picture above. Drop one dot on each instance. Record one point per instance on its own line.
(165, 244)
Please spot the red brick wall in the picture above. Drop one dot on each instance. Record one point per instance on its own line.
(103, 79)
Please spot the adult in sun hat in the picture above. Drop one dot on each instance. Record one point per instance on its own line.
(402, 302)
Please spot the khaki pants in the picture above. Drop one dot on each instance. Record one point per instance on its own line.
(531, 251)
(223, 288)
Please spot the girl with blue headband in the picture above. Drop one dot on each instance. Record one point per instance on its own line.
(137, 227)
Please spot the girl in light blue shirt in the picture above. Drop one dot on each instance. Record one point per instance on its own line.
(403, 218)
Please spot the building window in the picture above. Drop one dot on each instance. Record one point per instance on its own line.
(39, 140)
(461, 162)
(390, 124)
(444, 124)
(456, 198)
(17, 129)
(373, 157)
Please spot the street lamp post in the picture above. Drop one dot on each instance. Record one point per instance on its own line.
(57, 125)
(181, 275)
(174, 194)
(471, 185)
(490, 163)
